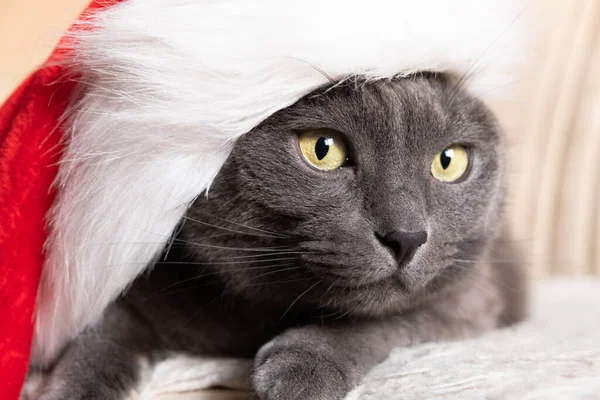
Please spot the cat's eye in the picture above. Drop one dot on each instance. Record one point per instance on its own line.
(323, 149)
(450, 164)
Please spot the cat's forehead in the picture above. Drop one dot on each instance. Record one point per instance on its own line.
(403, 106)
(378, 99)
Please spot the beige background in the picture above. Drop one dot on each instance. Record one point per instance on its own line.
(551, 113)
(553, 121)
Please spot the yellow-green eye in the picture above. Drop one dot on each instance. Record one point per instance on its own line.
(323, 149)
(450, 164)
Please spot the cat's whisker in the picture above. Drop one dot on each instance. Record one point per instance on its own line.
(213, 246)
(249, 259)
(248, 227)
(120, 243)
(227, 291)
(492, 90)
(227, 262)
(297, 299)
(200, 276)
(182, 263)
(332, 285)
(233, 230)
(176, 242)
(281, 252)
(235, 269)
(287, 279)
(351, 309)
(275, 271)
(253, 285)
(476, 66)
(338, 314)
(268, 254)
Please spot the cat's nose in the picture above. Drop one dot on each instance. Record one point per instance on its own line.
(404, 244)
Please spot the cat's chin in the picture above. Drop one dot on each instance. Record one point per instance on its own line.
(403, 281)
(388, 295)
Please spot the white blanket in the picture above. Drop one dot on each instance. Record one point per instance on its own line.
(553, 355)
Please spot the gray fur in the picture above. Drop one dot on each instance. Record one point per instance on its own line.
(284, 263)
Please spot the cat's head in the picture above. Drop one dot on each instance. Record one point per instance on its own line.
(361, 197)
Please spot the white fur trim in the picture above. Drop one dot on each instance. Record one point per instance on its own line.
(180, 373)
(170, 84)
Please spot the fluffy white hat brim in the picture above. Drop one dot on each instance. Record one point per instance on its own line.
(169, 85)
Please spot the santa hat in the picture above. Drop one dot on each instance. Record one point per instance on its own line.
(134, 114)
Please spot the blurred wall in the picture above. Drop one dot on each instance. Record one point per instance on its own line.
(29, 30)
(551, 113)
(553, 121)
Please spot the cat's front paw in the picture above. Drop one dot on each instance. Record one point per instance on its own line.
(285, 369)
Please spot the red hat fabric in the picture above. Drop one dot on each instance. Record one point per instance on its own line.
(30, 149)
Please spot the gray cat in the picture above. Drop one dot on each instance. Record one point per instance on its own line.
(364, 217)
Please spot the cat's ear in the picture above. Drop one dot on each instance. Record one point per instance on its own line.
(168, 86)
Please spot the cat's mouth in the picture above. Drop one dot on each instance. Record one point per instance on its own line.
(389, 280)
(375, 297)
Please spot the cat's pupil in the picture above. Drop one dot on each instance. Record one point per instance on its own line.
(446, 158)
(322, 147)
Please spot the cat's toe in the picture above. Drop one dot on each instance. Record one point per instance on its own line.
(288, 372)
